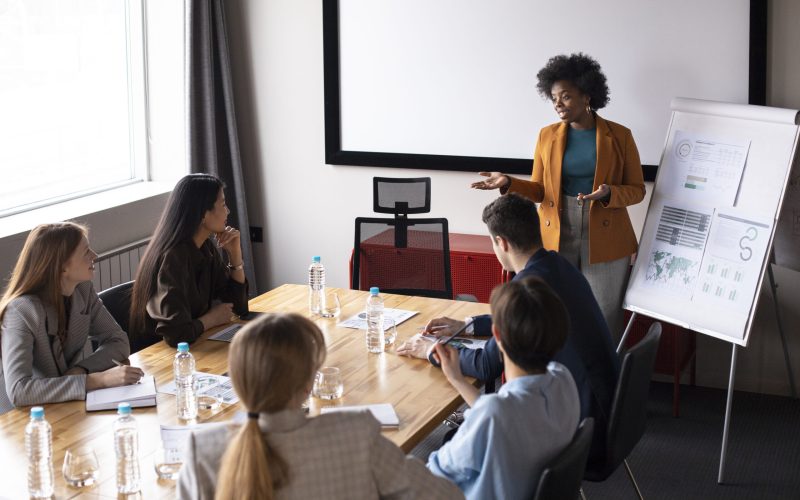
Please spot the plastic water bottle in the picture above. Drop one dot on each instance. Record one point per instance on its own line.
(375, 341)
(38, 445)
(316, 286)
(183, 369)
(126, 444)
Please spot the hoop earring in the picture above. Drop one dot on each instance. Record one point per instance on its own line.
(588, 109)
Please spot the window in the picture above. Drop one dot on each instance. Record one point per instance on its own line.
(72, 99)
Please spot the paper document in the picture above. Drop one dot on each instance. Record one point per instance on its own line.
(674, 255)
(360, 320)
(218, 386)
(703, 169)
(138, 395)
(174, 438)
(732, 264)
(383, 412)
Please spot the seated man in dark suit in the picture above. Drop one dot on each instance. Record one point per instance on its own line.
(589, 353)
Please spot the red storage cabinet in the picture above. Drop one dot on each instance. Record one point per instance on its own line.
(474, 269)
(473, 265)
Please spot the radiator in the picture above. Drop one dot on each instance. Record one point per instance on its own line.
(119, 265)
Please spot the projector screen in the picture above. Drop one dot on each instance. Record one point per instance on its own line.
(451, 84)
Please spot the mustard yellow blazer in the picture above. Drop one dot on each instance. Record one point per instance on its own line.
(611, 234)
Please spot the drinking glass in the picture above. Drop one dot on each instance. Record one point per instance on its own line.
(80, 467)
(332, 307)
(206, 396)
(167, 463)
(328, 383)
(389, 331)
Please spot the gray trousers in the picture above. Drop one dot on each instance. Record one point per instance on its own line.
(608, 280)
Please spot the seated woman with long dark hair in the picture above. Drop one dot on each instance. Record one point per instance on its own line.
(50, 316)
(279, 452)
(183, 286)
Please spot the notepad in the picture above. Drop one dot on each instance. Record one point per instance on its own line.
(383, 413)
(138, 395)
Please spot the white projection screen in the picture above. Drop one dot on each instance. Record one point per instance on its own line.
(451, 84)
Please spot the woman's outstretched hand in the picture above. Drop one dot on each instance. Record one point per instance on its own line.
(494, 180)
(602, 192)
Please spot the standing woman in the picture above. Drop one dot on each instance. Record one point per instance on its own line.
(183, 286)
(586, 172)
(50, 316)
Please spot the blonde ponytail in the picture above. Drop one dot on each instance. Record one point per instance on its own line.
(271, 361)
(250, 468)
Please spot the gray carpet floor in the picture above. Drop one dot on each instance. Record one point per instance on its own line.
(678, 458)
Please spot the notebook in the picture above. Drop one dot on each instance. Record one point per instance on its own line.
(383, 413)
(138, 395)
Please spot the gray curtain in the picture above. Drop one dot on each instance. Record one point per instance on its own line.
(213, 139)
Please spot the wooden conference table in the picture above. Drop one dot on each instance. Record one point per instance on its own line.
(421, 395)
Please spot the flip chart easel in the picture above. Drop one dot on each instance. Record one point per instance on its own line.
(708, 235)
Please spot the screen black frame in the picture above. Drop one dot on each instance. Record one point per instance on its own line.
(334, 155)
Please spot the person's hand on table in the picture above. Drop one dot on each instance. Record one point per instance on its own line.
(415, 347)
(114, 377)
(602, 193)
(220, 314)
(442, 327)
(494, 180)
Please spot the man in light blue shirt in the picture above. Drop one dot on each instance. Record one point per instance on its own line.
(507, 438)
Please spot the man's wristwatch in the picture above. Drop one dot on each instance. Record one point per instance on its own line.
(470, 329)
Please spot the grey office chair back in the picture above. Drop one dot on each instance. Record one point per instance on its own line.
(561, 478)
(628, 418)
(117, 300)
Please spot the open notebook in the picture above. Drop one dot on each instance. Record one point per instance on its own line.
(138, 395)
(383, 413)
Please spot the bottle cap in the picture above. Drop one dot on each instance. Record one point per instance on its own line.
(315, 258)
(37, 412)
(374, 290)
(183, 347)
(124, 408)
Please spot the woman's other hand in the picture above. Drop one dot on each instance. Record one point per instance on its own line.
(229, 240)
(603, 193)
(494, 180)
(217, 315)
(114, 377)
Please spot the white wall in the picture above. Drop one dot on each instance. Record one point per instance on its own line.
(307, 207)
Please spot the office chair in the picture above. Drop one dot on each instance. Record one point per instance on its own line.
(561, 477)
(117, 300)
(628, 419)
(398, 254)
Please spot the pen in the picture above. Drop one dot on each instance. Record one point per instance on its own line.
(120, 363)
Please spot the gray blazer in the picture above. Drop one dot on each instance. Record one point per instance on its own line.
(31, 373)
(333, 456)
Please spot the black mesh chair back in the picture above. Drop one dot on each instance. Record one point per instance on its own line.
(117, 300)
(561, 478)
(628, 418)
(403, 256)
(401, 196)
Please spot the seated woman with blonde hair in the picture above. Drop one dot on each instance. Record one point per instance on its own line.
(50, 316)
(279, 452)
